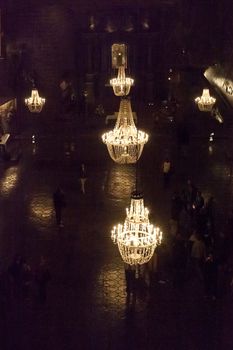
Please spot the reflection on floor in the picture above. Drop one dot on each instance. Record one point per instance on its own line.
(87, 305)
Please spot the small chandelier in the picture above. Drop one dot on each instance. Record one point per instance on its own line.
(125, 143)
(35, 103)
(136, 238)
(205, 102)
(122, 84)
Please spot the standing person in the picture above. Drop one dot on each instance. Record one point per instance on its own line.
(198, 202)
(130, 278)
(197, 210)
(59, 204)
(189, 196)
(83, 178)
(166, 172)
(26, 279)
(82, 106)
(68, 97)
(198, 255)
(42, 277)
(176, 206)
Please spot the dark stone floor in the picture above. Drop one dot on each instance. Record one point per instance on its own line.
(87, 306)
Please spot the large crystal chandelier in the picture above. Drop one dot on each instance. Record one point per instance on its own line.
(125, 143)
(35, 103)
(122, 84)
(205, 102)
(136, 238)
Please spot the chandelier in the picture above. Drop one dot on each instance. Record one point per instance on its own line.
(125, 143)
(122, 84)
(136, 238)
(35, 103)
(205, 102)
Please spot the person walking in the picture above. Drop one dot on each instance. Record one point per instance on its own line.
(198, 203)
(166, 172)
(83, 178)
(176, 206)
(130, 278)
(59, 204)
(26, 279)
(198, 255)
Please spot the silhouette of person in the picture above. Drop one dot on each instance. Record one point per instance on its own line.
(83, 177)
(26, 278)
(59, 204)
(130, 278)
(166, 172)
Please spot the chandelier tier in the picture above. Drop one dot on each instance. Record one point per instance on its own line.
(122, 84)
(35, 103)
(205, 102)
(136, 238)
(125, 143)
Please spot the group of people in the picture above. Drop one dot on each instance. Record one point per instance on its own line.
(195, 252)
(21, 282)
(197, 249)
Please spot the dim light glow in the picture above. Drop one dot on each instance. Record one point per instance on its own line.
(122, 84)
(41, 208)
(205, 102)
(35, 103)
(9, 181)
(125, 143)
(136, 238)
